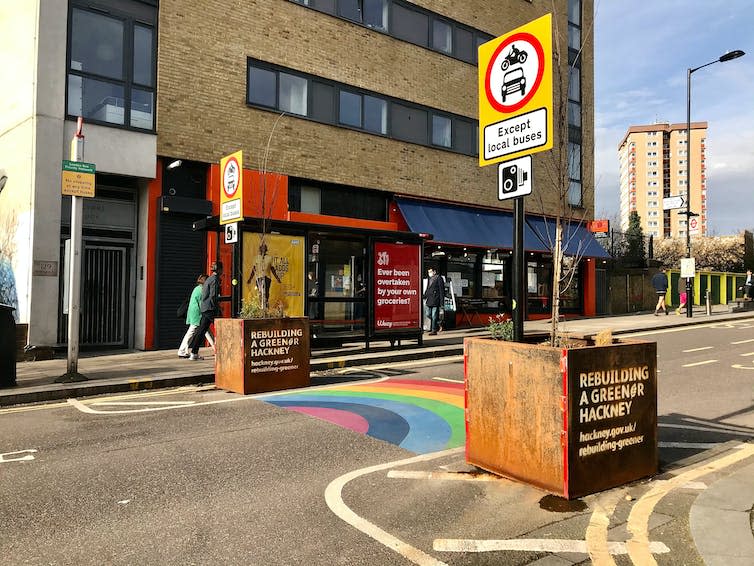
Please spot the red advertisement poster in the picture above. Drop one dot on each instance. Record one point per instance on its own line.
(397, 288)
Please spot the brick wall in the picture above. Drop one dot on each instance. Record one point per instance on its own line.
(202, 114)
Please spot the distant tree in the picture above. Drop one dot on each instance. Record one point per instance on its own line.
(711, 253)
(635, 254)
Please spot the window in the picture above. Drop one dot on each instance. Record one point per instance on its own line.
(350, 9)
(409, 24)
(574, 25)
(274, 88)
(441, 131)
(375, 14)
(111, 63)
(652, 144)
(652, 204)
(442, 36)
(574, 173)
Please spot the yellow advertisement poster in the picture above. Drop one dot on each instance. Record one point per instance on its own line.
(273, 267)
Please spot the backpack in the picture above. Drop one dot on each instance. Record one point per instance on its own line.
(182, 309)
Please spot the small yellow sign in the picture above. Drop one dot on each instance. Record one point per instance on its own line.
(78, 179)
(515, 93)
(231, 184)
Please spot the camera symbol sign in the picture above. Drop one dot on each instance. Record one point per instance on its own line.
(514, 178)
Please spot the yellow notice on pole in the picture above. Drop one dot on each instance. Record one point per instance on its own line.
(231, 181)
(515, 93)
(78, 179)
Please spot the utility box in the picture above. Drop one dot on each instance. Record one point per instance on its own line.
(7, 346)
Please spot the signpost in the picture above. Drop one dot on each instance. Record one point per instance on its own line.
(515, 120)
(78, 180)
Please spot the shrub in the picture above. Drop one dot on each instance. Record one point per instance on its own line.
(501, 327)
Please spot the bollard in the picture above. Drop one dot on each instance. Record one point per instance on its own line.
(709, 302)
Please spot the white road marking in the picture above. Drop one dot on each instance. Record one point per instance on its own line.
(533, 545)
(334, 499)
(27, 456)
(748, 354)
(697, 349)
(638, 520)
(743, 341)
(689, 445)
(698, 485)
(739, 366)
(448, 379)
(705, 362)
(140, 403)
(442, 476)
(711, 427)
(410, 363)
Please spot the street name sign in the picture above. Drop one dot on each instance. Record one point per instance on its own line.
(78, 178)
(515, 93)
(231, 194)
(671, 203)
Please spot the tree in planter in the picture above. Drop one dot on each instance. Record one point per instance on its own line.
(563, 170)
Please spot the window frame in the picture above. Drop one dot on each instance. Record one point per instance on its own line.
(144, 16)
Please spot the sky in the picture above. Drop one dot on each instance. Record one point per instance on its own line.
(642, 53)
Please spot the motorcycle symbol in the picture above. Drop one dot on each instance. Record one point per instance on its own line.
(514, 56)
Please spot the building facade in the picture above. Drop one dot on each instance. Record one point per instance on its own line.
(653, 165)
(357, 119)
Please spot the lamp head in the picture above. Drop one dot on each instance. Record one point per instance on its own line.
(174, 164)
(731, 55)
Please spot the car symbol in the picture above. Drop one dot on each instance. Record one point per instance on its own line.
(513, 81)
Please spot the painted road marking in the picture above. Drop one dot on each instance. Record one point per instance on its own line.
(697, 349)
(27, 456)
(743, 341)
(533, 545)
(699, 363)
(334, 499)
(749, 354)
(443, 476)
(638, 520)
(739, 366)
(710, 427)
(689, 445)
(140, 403)
(448, 379)
(599, 522)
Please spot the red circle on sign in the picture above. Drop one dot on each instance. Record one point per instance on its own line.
(534, 42)
(225, 186)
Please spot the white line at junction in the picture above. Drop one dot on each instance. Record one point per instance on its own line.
(743, 341)
(697, 349)
(448, 379)
(748, 354)
(533, 545)
(705, 362)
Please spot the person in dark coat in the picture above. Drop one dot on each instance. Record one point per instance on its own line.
(209, 307)
(660, 284)
(434, 297)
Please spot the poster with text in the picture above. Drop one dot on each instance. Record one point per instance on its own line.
(397, 296)
(273, 268)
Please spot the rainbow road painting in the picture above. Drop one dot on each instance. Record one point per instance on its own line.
(420, 416)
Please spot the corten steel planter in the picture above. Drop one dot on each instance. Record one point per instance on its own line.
(570, 421)
(258, 355)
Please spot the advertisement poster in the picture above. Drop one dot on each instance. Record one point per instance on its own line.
(397, 299)
(273, 266)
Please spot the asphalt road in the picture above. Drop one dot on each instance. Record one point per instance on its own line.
(197, 476)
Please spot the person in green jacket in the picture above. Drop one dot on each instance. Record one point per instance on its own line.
(193, 318)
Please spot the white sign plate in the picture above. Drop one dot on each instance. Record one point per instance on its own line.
(688, 266)
(525, 131)
(671, 203)
(514, 178)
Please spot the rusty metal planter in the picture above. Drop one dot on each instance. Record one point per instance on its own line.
(258, 355)
(570, 421)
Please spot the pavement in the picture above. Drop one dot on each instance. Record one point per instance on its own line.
(116, 372)
(719, 520)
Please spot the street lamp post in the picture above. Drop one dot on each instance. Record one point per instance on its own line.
(722, 59)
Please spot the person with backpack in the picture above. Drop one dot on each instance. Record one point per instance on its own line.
(193, 316)
(660, 284)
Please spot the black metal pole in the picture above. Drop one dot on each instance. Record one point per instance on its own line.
(519, 270)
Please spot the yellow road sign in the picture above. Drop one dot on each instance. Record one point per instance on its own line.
(231, 185)
(78, 179)
(515, 93)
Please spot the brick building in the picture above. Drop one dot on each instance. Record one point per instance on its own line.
(357, 120)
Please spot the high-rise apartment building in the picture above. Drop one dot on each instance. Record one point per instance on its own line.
(654, 160)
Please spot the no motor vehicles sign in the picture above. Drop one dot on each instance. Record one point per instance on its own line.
(515, 93)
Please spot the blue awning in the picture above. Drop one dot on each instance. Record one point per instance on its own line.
(465, 225)
(577, 239)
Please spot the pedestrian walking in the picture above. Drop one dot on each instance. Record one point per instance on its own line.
(434, 297)
(660, 284)
(193, 319)
(209, 307)
(748, 286)
(682, 304)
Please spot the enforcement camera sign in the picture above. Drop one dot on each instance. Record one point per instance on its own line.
(515, 93)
